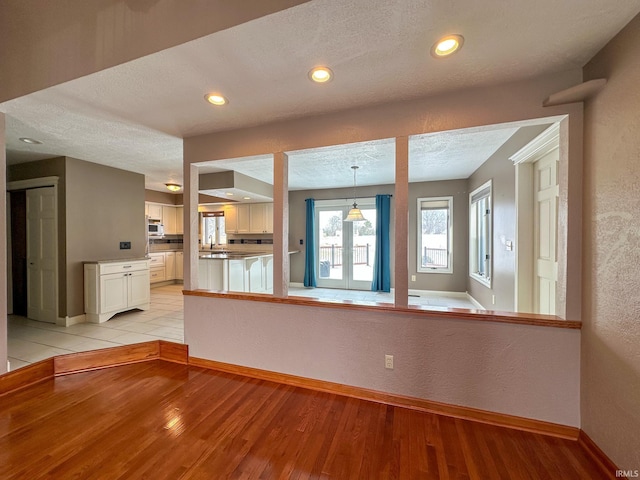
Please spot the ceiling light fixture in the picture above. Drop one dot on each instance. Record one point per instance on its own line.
(174, 187)
(320, 74)
(355, 214)
(230, 194)
(447, 46)
(30, 141)
(216, 99)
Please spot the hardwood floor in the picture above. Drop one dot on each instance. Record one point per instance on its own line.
(161, 420)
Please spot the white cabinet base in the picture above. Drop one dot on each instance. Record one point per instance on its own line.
(114, 287)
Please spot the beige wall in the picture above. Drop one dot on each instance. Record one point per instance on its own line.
(611, 305)
(501, 171)
(105, 206)
(98, 207)
(162, 197)
(44, 43)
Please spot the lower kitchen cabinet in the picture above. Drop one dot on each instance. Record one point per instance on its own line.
(114, 287)
(179, 266)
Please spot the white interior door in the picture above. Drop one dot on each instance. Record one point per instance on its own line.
(42, 252)
(545, 221)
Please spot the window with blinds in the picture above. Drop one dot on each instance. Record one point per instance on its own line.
(435, 234)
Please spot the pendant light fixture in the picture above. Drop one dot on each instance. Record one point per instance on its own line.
(354, 215)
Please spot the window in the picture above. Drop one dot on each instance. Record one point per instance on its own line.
(480, 234)
(213, 231)
(435, 234)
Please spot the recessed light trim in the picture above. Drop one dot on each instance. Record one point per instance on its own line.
(320, 74)
(30, 141)
(230, 194)
(216, 99)
(174, 187)
(447, 46)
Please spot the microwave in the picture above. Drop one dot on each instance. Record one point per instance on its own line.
(155, 229)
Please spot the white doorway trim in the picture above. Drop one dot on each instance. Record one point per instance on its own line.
(28, 184)
(523, 160)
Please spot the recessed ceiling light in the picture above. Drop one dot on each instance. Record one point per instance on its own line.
(447, 46)
(321, 74)
(174, 187)
(246, 198)
(216, 99)
(230, 194)
(30, 141)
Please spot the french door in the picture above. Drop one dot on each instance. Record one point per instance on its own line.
(345, 250)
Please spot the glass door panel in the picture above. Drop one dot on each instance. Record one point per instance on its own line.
(329, 230)
(363, 250)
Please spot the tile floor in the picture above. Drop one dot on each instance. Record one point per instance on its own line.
(439, 299)
(30, 341)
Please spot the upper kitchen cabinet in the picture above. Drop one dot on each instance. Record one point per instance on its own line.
(169, 220)
(249, 218)
(261, 218)
(154, 211)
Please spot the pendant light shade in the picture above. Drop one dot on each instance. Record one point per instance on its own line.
(355, 214)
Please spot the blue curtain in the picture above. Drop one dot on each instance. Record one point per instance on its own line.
(310, 248)
(382, 261)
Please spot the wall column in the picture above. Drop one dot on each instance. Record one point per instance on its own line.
(3, 248)
(190, 245)
(401, 197)
(280, 225)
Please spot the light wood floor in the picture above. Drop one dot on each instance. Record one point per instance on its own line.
(160, 420)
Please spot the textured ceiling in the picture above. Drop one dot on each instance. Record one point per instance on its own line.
(135, 115)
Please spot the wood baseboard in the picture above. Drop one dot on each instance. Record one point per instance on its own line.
(93, 360)
(467, 413)
(26, 376)
(606, 465)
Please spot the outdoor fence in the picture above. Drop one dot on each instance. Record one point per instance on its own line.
(333, 254)
(434, 257)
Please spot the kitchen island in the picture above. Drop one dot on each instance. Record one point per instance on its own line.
(236, 271)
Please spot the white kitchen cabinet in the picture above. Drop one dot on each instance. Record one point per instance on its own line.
(170, 265)
(114, 287)
(243, 214)
(236, 276)
(180, 220)
(179, 266)
(230, 219)
(212, 274)
(157, 262)
(169, 220)
(154, 211)
(261, 217)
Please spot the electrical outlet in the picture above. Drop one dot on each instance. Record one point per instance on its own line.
(388, 362)
(413, 278)
(125, 245)
(301, 241)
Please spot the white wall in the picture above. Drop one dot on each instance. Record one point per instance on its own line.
(522, 370)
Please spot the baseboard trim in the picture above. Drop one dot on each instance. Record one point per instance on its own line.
(596, 454)
(467, 413)
(476, 303)
(68, 321)
(93, 360)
